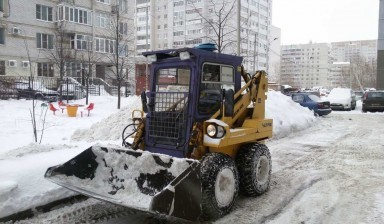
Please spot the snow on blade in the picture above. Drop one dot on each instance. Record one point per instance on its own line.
(126, 177)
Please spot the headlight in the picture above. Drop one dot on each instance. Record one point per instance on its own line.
(211, 130)
(215, 131)
(220, 132)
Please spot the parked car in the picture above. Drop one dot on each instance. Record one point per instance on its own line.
(71, 89)
(373, 101)
(342, 99)
(6, 90)
(34, 89)
(313, 102)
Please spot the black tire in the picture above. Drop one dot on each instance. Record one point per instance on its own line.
(255, 166)
(217, 171)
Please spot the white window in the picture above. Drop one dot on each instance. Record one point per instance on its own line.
(102, 20)
(178, 33)
(103, 1)
(81, 42)
(123, 50)
(44, 41)
(43, 12)
(45, 69)
(123, 28)
(104, 45)
(122, 5)
(75, 15)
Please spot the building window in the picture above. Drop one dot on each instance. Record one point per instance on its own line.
(1, 6)
(123, 28)
(73, 69)
(123, 50)
(44, 13)
(104, 45)
(2, 67)
(45, 69)
(44, 41)
(102, 20)
(122, 5)
(81, 42)
(2, 35)
(103, 1)
(75, 15)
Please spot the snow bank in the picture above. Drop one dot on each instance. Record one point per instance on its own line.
(111, 127)
(287, 115)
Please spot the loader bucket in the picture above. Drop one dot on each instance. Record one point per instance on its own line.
(140, 180)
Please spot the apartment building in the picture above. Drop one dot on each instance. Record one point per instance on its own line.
(46, 37)
(349, 51)
(186, 23)
(305, 65)
(380, 49)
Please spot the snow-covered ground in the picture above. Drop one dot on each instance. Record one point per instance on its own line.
(23, 163)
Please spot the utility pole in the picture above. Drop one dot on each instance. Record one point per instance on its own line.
(254, 53)
(238, 26)
(146, 45)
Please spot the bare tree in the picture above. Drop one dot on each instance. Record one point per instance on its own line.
(34, 101)
(88, 57)
(60, 52)
(120, 37)
(218, 23)
(362, 73)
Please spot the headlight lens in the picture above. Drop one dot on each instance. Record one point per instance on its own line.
(211, 130)
(220, 132)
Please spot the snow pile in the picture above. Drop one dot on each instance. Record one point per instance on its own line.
(111, 127)
(287, 115)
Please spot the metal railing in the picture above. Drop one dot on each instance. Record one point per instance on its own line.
(167, 116)
(38, 87)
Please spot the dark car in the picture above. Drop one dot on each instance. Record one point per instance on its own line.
(313, 102)
(6, 90)
(373, 101)
(35, 90)
(71, 89)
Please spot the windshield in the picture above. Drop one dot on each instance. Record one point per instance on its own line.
(314, 98)
(173, 79)
(375, 95)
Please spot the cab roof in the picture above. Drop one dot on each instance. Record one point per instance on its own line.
(175, 53)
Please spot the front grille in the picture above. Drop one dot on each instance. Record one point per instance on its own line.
(167, 118)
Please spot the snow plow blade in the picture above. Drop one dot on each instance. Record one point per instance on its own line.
(139, 180)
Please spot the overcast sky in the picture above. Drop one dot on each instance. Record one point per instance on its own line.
(325, 21)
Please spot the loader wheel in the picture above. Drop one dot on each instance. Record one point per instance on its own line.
(220, 185)
(254, 165)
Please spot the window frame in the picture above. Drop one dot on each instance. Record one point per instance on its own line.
(45, 69)
(40, 9)
(2, 67)
(75, 15)
(207, 88)
(2, 36)
(44, 39)
(107, 2)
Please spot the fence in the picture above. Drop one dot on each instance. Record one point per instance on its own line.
(48, 88)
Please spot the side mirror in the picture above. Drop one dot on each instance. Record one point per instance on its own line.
(144, 102)
(229, 100)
